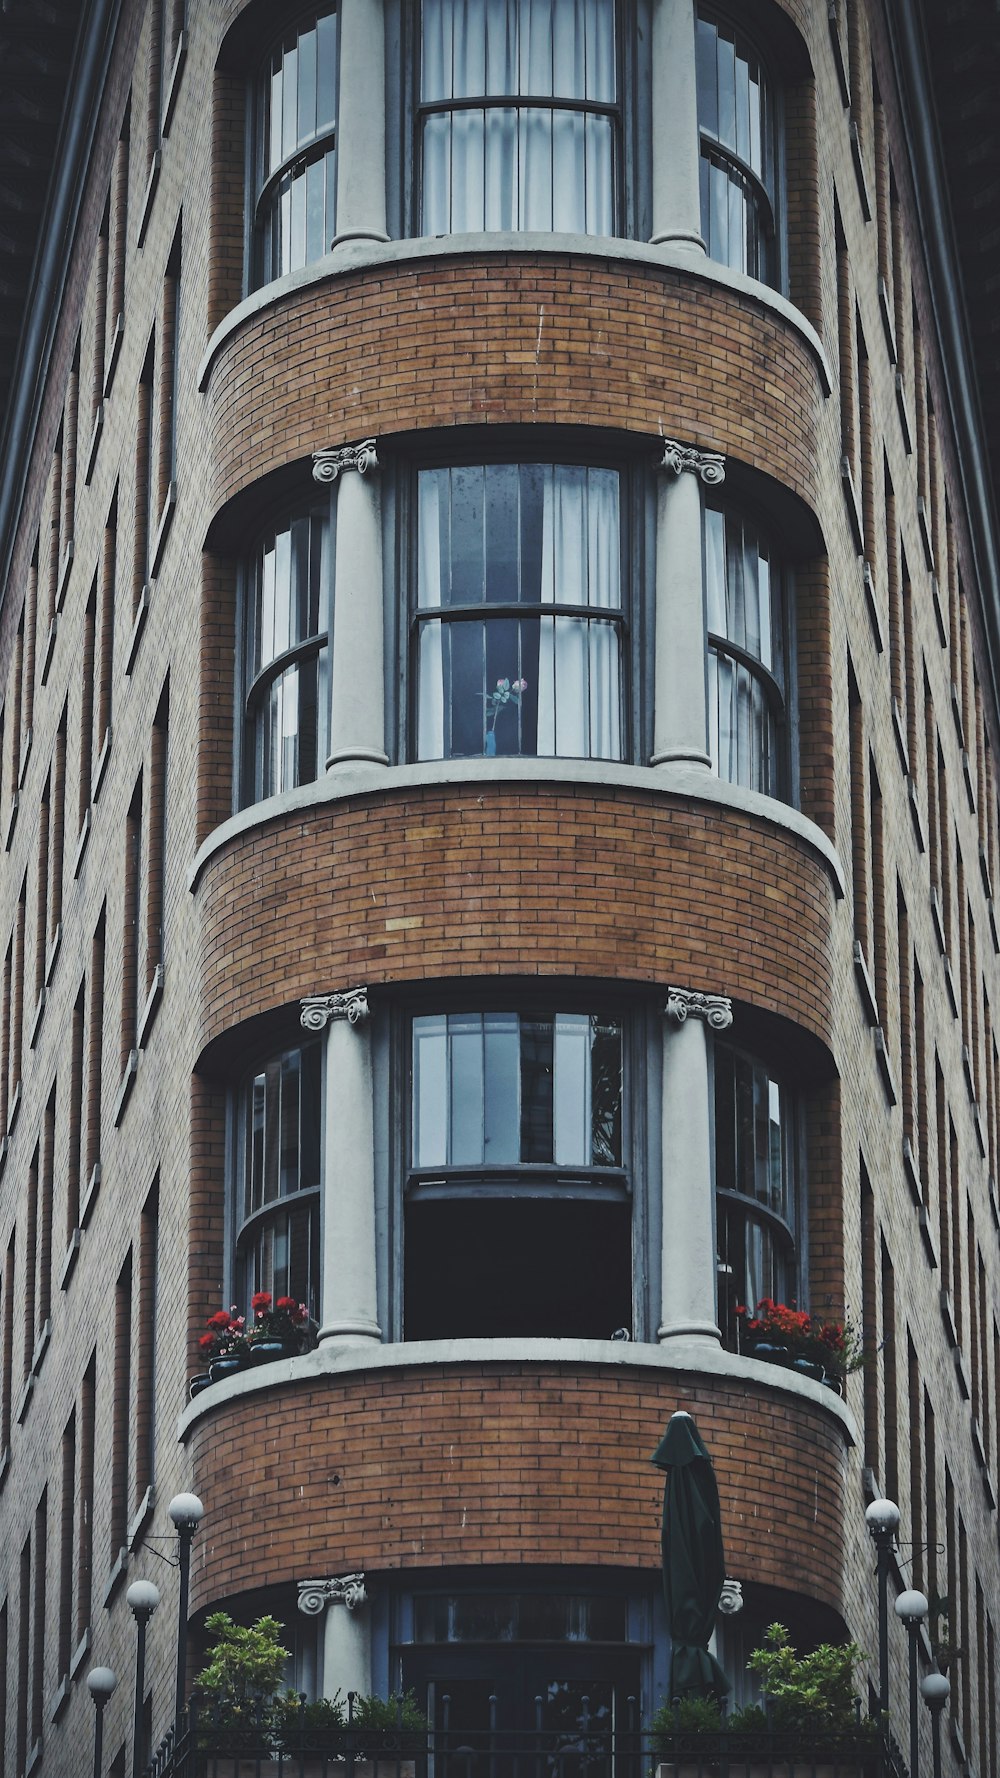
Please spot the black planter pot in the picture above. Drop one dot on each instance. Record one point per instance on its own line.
(197, 1384)
(220, 1368)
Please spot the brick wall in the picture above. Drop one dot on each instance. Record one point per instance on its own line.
(472, 1464)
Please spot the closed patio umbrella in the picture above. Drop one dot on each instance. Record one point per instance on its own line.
(694, 1567)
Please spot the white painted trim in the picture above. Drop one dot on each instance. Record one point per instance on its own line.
(696, 1358)
(674, 779)
(355, 256)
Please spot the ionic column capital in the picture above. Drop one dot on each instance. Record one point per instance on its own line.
(341, 1589)
(327, 465)
(708, 466)
(731, 1600)
(317, 1010)
(685, 1003)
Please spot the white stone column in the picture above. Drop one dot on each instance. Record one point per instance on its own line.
(361, 123)
(349, 1302)
(688, 1281)
(357, 694)
(676, 148)
(347, 1648)
(680, 673)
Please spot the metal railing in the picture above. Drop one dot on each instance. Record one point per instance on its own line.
(262, 1741)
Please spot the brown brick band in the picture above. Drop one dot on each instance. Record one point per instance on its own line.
(474, 1464)
(476, 880)
(520, 340)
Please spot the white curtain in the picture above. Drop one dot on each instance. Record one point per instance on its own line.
(511, 167)
(432, 487)
(579, 669)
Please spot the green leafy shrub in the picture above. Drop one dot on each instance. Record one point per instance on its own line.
(687, 1716)
(402, 1715)
(809, 1695)
(247, 1665)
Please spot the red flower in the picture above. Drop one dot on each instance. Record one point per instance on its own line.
(220, 1319)
(207, 1341)
(260, 1302)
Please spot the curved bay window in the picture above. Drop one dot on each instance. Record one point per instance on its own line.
(296, 161)
(519, 622)
(755, 1186)
(278, 1182)
(519, 123)
(738, 126)
(517, 1200)
(746, 654)
(285, 656)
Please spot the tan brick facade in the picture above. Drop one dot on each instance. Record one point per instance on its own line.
(882, 1007)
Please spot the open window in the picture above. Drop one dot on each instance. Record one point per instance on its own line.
(286, 616)
(738, 124)
(278, 1179)
(747, 652)
(295, 150)
(517, 1202)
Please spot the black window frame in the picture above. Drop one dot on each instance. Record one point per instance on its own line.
(632, 460)
(242, 1229)
(252, 691)
(540, 1183)
(790, 1238)
(261, 185)
(632, 172)
(711, 147)
(780, 693)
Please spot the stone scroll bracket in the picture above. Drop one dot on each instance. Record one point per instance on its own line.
(685, 1003)
(329, 464)
(343, 1589)
(317, 1010)
(708, 466)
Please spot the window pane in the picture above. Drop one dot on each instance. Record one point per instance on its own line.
(606, 1093)
(430, 1092)
(537, 1063)
(572, 1090)
(466, 1137)
(295, 221)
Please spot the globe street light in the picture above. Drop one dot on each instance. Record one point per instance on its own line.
(187, 1512)
(935, 1690)
(142, 1599)
(911, 1609)
(882, 1520)
(101, 1682)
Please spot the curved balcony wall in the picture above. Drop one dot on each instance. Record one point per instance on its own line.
(442, 1465)
(476, 879)
(518, 338)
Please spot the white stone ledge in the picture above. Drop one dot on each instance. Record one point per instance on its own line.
(354, 256)
(677, 779)
(700, 1358)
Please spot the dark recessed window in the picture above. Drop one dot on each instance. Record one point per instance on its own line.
(285, 656)
(519, 622)
(518, 121)
(295, 160)
(745, 603)
(738, 126)
(755, 1182)
(517, 1201)
(278, 1179)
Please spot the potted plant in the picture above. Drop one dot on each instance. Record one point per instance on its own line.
(277, 1329)
(781, 1334)
(810, 1715)
(224, 1345)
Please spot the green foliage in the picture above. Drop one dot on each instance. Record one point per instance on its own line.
(751, 1720)
(402, 1714)
(687, 1716)
(246, 1666)
(809, 1694)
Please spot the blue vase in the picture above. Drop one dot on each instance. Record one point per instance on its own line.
(490, 744)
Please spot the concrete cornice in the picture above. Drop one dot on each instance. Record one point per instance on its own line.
(676, 779)
(358, 256)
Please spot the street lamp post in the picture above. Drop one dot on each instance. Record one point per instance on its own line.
(912, 1608)
(882, 1520)
(935, 1690)
(187, 1512)
(101, 1682)
(142, 1599)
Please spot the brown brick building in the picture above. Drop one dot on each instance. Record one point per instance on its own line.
(499, 661)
